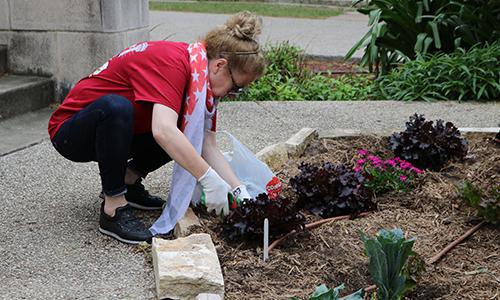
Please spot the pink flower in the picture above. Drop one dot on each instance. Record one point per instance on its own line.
(417, 170)
(360, 161)
(391, 162)
(405, 165)
(363, 152)
(403, 178)
(375, 160)
(357, 169)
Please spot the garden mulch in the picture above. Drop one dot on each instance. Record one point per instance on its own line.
(334, 67)
(334, 253)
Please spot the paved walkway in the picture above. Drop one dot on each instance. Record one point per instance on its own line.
(50, 247)
(326, 37)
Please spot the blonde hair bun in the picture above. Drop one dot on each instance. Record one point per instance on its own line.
(244, 25)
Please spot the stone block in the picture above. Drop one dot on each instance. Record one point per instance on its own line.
(3, 59)
(186, 223)
(340, 132)
(145, 14)
(120, 15)
(81, 53)
(274, 156)
(21, 94)
(33, 53)
(5, 37)
(69, 15)
(4, 15)
(79, 15)
(299, 141)
(208, 297)
(136, 36)
(186, 267)
(479, 130)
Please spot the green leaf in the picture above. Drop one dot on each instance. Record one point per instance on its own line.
(321, 290)
(418, 17)
(419, 45)
(427, 42)
(388, 254)
(355, 296)
(426, 5)
(435, 34)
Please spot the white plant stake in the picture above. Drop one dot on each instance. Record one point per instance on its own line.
(266, 239)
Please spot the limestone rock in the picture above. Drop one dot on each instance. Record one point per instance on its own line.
(274, 156)
(186, 223)
(187, 267)
(299, 141)
(208, 297)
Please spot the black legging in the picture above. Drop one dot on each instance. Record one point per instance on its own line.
(103, 132)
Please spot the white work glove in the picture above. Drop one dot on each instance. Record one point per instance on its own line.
(215, 190)
(240, 192)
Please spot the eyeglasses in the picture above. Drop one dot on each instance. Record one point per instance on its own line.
(235, 89)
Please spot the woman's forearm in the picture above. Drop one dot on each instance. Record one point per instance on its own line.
(177, 146)
(216, 160)
(174, 142)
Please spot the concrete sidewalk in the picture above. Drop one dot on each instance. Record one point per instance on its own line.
(51, 248)
(322, 37)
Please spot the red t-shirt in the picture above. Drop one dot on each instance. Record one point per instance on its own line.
(145, 73)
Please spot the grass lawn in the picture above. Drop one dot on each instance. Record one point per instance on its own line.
(259, 8)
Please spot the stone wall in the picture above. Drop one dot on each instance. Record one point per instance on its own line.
(68, 39)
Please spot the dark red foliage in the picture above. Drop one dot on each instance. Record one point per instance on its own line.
(428, 146)
(247, 220)
(331, 190)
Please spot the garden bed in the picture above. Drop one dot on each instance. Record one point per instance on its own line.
(332, 254)
(335, 67)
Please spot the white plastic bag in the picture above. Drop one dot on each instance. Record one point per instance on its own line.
(252, 172)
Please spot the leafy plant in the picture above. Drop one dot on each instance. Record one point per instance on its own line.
(462, 75)
(383, 176)
(428, 146)
(322, 292)
(389, 253)
(401, 30)
(286, 78)
(331, 190)
(247, 220)
(352, 87)
(488, 206)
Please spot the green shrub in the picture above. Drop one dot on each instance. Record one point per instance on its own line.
(463, 75)
(401, 30)
(286, 78)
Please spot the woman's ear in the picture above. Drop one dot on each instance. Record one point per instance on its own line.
(220, 63)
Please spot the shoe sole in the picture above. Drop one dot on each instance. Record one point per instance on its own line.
(114, 235)
(138, 206)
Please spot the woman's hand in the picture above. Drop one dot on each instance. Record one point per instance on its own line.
(216, 192)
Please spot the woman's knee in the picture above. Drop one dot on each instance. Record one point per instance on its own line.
(117, 108)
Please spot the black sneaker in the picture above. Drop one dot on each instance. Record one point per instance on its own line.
(139, 198)
(124, 226)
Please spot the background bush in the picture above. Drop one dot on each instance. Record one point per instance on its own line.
(462, 75)
(402, 30)
(287, 79)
